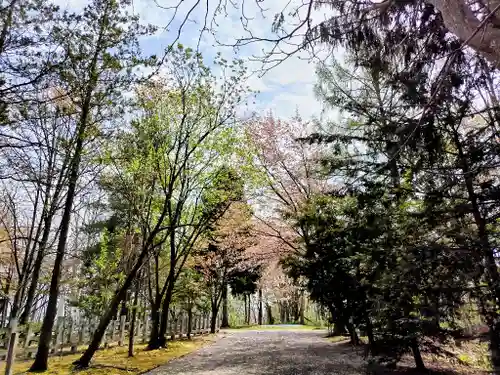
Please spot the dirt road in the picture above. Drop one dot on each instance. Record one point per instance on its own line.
(272, 352)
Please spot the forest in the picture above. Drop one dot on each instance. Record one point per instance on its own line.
(143, 195)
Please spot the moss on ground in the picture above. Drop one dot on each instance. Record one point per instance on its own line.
(338, 338)
(114, 361)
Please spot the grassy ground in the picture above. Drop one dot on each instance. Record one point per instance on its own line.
(114, 361)
(276, 327)
(458, 357)
(338, 338)
(471, 353)
(467, 357)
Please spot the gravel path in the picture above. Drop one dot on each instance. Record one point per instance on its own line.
(267, 352)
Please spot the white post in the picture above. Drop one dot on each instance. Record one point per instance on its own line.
(60, 325)
(28, 335)
(145, 328)
(181, 325)
(69, 339)
(106, 334)
(173, 326)
(81, 333)
(122, 330)
(60, 331)
(138, 328)
(112, 334)
(11, 348)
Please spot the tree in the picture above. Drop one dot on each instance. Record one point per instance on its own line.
(382, 284)
(296, 27)
(401, 147)
(245, 283)
(287, 173)
(204, 140)
(226, 256)
(184, 131)
(26, 59)
(36, 165)
(352, 24)
(100, 62)
(288, 177)
(191, 293)
(134, 307)
(102, 271)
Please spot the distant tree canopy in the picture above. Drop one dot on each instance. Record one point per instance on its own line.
(244, 282)
(394, 247)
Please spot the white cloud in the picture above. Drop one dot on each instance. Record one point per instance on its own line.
(286, 104)
(293, 71)
(285, 88)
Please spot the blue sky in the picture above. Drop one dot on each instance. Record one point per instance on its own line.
(285, 89)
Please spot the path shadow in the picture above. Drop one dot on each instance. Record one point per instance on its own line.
(406, 370)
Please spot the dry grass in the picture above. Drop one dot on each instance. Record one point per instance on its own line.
(114, 361)
(469, 355)
(463, 357)
(457, 357)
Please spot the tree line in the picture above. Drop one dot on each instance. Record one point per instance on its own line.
(121, 188)
(393, 213)
(402, 244)
(140, 170)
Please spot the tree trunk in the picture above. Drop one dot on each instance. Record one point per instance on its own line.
(494, 333)
(487, 256)
(3, 311)
(155, 327)
(339, 325)
(173, 328)
(213, 319)
(84, 360)
(245, 304)
(286, 311)
(302, 308)
(339, 329)
(260, 307)
(14, 310)
(132, 322)
(190, 323)
(162, 339)
(419, 362)
(5, 301)
(36, 272)
(162, 334)
(249, 309)
(296, 310)
(353, 334)
(225, 313)
(459, 18)
(371, 337)
(42, 354)
(270, 318)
